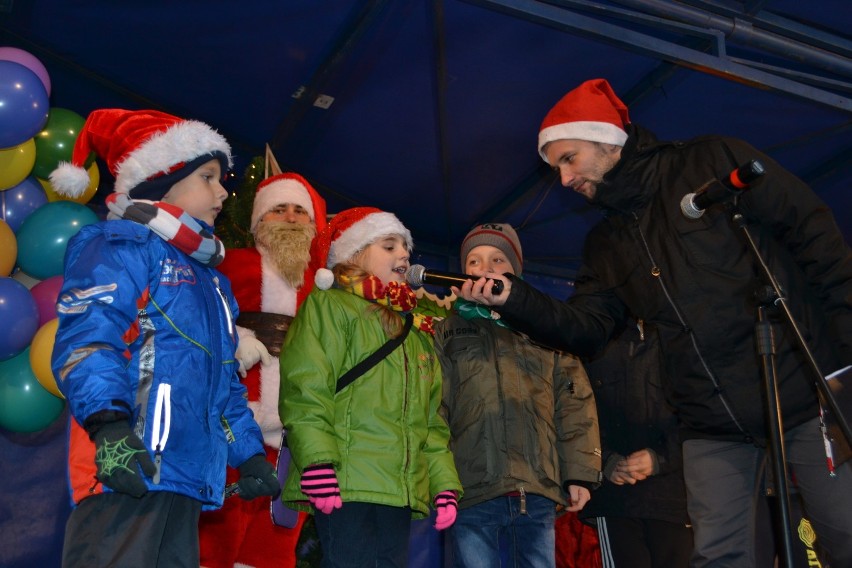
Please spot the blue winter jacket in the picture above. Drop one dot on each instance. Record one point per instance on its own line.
(147, 331)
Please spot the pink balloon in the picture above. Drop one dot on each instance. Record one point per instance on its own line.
(46, 293)
(29, 61)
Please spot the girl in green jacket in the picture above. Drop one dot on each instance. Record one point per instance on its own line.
(374, 455)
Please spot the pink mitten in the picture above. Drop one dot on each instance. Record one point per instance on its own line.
(319, 483)
(447, 506)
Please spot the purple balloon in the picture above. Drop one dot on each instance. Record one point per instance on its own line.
(19, 314)
(24, 104)
(45, 294)
(29, 61)
(17, 202)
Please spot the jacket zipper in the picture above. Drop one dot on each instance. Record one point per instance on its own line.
(162, 425)
(405, 411)
(656, 272)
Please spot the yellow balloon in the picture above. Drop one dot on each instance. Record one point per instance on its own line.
(94, 180)
(16, 163)
(40, 351)
(8, 249)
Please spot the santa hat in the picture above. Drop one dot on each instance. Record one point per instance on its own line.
(351, 231)
(498, 235)
(590, 112)
(146, 150)
(287, 188)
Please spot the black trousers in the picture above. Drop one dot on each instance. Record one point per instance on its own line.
(643, 543)
(113, 529)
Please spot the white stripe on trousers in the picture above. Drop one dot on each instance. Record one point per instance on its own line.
(606, 550)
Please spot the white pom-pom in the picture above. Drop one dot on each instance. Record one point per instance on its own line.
(69, 180)
(323, 279)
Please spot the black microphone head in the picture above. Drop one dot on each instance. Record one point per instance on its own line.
(414, 275)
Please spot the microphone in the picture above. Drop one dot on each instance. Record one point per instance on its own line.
(417, 275)
(717, 191)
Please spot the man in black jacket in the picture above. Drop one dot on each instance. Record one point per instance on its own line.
(695, 281)
(640, 508)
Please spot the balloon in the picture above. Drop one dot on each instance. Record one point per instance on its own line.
(44, 235)
(29, 61)
(55, 143)
(24, 104)
(25, 406)
(19, 314)
(17, 203)
(40, 352)
(45, 294)
(94, 176)
(8, 249)
(16, 163)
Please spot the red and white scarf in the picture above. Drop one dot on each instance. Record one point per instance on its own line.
(170, 223)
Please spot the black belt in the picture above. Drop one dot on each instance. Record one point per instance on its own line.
(269, 328)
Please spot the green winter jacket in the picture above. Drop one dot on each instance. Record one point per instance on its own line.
(383, 433)
(522, 417)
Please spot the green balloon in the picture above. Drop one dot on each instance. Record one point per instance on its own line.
(55, 143)
(25, 405)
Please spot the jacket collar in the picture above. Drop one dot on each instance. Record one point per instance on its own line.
(624, 188)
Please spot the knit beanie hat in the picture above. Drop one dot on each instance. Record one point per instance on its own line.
(147, 151)
(499, 235)
(287, 188)
(351, 231)
(590, 112)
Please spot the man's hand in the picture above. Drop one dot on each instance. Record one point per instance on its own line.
(119, 455)
(249, 352)
(638, 466)
(480, 290)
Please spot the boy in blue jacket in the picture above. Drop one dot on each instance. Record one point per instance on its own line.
(144, 351)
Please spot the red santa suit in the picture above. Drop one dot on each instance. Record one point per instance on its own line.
(242, 533)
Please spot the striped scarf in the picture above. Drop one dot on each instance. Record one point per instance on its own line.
(397, 296)
(170, 223)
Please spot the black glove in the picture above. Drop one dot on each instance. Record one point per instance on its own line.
(257, 478)
(120, 453)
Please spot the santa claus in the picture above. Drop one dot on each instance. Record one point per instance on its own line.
(269, 282)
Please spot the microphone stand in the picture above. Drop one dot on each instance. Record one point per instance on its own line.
(772, 295)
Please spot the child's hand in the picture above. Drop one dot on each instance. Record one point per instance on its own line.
(319, 483)
(578, 496)
(258, 479)
(447, 507)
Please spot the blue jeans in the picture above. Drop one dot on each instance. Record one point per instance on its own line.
(530, 538)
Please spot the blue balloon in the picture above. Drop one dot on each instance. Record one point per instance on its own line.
(24, 104)
(19, 314)
(25, 405)
(44, 235)
(17, 202)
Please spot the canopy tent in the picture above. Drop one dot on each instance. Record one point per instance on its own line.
(430, 109)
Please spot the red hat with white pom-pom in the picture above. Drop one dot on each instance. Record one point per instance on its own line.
(287, 188)
(589, 112)
(350, 232)
(147, 151)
